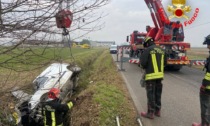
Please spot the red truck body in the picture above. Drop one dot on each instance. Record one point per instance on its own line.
(167, 34)
(136, 43)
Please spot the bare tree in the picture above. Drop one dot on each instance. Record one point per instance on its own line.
(24, 22)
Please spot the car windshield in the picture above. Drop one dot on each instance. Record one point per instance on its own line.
(140, 37)
(113, 47)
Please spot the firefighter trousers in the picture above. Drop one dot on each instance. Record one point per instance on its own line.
(154, 92)
(205, 109)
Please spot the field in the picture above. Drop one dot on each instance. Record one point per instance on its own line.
(198, 53)
(101, 92)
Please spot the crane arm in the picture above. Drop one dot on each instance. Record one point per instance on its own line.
(164, 29)
(158, 13)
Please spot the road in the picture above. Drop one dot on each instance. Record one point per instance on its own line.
(180, 96)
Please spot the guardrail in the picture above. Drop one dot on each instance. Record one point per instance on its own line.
(121, 58)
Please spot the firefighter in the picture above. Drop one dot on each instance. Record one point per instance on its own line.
(53, 111)
(205, 92)
(153, 60)
(175, 27)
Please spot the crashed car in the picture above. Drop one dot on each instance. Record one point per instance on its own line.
(57, 75)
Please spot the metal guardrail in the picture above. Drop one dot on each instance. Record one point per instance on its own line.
(121, 58)
(192, 62)
(198, 62)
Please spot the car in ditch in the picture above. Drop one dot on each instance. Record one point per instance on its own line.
(58, 75)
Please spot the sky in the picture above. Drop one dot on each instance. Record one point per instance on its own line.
(125, 16)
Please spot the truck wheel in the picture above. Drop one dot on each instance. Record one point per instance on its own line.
(177, 68)
(139, 54)
(174, 67)
(131, 53)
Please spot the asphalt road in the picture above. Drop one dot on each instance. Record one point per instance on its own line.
(180, 96)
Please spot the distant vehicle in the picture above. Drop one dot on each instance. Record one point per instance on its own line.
(113, 49)
(57, 75)
(85, 46)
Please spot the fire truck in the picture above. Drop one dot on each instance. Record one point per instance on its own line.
(169, 35)
(136, 43)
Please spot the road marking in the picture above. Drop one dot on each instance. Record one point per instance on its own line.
(134, 97)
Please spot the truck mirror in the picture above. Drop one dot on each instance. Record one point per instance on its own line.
(127, 39)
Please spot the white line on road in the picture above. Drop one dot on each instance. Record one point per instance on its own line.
(133, 96)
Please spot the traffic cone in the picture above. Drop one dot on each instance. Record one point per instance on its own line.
(196, 124)
(147, 115)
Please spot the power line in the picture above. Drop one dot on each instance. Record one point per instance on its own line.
(197, 25)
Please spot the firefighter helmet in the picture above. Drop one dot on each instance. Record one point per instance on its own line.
(148, 41)
(207, 40)
(53, 93)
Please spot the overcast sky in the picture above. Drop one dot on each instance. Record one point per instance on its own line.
(125, 16)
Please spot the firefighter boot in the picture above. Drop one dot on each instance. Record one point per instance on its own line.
(196, 124)
(157, 113)
(147, 115)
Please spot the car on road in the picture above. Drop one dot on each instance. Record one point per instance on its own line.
(113, 49)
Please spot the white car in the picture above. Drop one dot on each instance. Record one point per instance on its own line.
(57, 75)
(113, 49)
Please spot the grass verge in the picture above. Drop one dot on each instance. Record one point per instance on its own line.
(109, 98)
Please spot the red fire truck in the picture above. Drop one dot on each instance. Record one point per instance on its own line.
(136, 43)
(167, 34)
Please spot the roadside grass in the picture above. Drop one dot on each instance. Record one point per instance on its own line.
(109, 94)
(110, 100)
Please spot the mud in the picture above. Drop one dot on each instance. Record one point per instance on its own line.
(85, 113)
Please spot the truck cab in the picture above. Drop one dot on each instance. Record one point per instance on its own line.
(136, 43)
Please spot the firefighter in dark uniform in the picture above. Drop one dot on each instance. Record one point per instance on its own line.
(205, 92)
(153, 60)
(175, 27)
(53, 111)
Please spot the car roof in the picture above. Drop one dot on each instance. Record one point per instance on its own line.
(113, 45)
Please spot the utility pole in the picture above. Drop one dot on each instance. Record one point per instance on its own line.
(68, 8)
(1, 21)
(68, 5)
(60, 4)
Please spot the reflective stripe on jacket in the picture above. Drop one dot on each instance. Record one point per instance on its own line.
(53, 112)
(153, 60)
(206, 81)
(205, 87)
(157, 73)
(207, 76)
